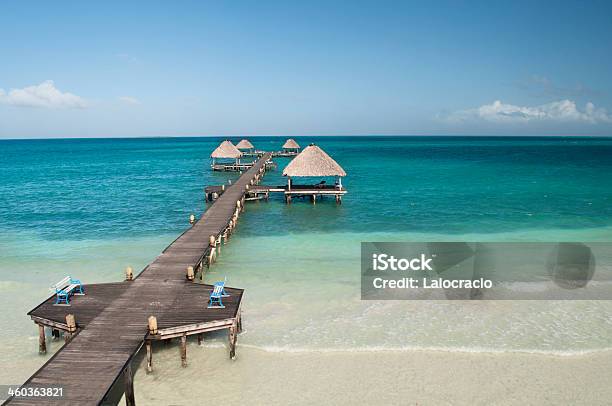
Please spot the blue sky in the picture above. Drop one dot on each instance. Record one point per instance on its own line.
(96, 69)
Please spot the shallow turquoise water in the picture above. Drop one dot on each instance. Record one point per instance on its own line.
(91, 207)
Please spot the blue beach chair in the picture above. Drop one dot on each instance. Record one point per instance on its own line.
(223, 291)
(216, 296)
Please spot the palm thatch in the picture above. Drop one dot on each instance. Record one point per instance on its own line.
(313, 161)
(226, 150)
(291, 144)
(245, 144)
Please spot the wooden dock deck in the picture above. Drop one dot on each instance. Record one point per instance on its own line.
(111, 319)
(258, 192)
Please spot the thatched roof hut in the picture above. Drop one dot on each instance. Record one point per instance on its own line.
(245, 144)
(226, 150)
(291, 144)
(313, 162)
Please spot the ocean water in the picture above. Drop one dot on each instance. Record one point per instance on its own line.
(89, 208)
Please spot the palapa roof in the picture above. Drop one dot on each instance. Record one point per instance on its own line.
(245, 144)
(290, 143)
(226, 150)
(313, 161)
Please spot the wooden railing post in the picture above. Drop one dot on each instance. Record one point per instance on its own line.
(129, 273)
(71, 323)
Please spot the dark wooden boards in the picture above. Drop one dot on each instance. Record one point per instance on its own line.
(85, 308)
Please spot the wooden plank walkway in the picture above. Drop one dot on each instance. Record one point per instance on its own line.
(89, 365)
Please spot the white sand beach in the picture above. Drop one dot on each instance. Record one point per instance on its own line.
(258, 377)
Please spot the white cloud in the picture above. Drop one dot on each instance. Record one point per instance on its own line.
(129, 100)
(44, 95)
(558, 111)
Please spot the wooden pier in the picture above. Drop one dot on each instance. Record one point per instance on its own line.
(106, 328)
(262, 192)
(239, 166)
(231, 167)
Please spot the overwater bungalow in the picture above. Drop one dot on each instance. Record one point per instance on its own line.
(248, 149)
(313, 162)
(290, 148)
(226, 157)
(245, 146)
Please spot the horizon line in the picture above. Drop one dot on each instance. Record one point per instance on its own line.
(309, 135)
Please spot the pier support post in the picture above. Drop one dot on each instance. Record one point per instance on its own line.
(338, 199)
(149, 356)
(313, 199)
(184, 350)
(288, 199)
(239, 323)
(200, 336)
(129, 385)
(55, 334)
(232, 341)
(42, 343)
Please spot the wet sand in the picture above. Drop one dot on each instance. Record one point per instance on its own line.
(258, 377)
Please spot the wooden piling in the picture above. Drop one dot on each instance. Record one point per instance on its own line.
(200, 336)
(42, 343)
(232, 341)
(184, 350)
(129, 385)
(149, 356)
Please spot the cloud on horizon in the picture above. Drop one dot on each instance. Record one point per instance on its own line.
(129, 100)
(562, 111)
(44, 95)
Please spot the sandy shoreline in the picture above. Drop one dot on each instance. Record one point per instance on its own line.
(382, 377)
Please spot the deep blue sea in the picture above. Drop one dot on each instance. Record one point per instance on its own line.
(90, 207)
(108, 188)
